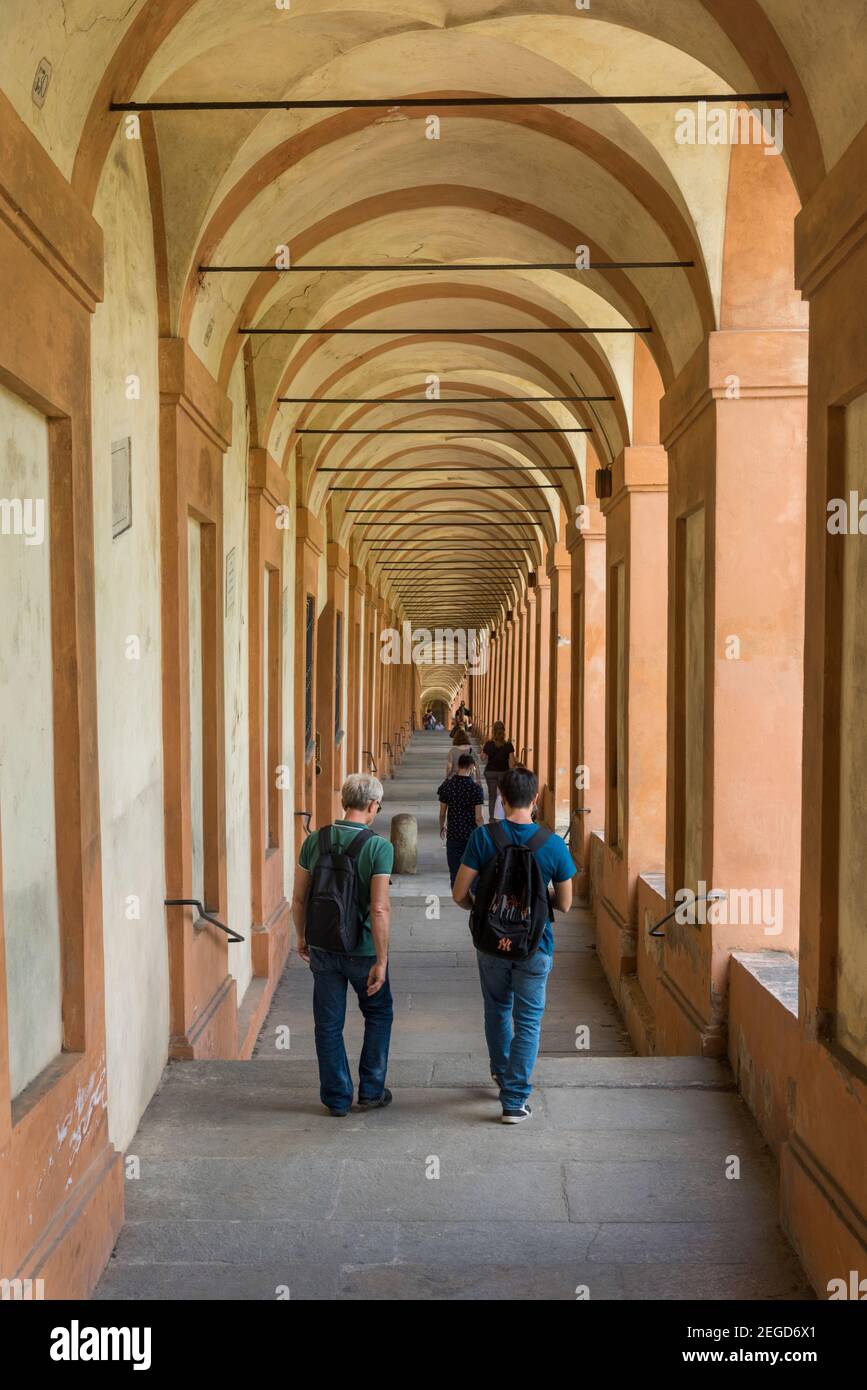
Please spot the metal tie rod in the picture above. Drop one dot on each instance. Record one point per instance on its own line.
(390, 332)
(461, 487)
(481, 429)
(303, 266)
(448, 468)
(438, 400)
(529, 515)
(429, 102)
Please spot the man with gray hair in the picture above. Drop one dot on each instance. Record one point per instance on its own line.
(341, 910)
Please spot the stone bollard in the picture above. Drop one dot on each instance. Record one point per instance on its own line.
(404, 837)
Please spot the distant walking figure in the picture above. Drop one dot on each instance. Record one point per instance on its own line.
(498, 755)
(461, 800)
(460, 745)
(342, 915)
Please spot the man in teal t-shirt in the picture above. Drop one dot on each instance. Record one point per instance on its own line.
(514, 991)
(366, 969)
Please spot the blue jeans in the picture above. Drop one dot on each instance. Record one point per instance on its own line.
(332, 971)
(514, 996)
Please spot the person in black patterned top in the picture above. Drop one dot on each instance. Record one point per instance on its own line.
(461, 799)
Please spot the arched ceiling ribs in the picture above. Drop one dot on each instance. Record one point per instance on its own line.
(735, 38)
(631, 305)
(479, 462)
(472, 359)
(581, 352)
(664, 205)
(339, 452)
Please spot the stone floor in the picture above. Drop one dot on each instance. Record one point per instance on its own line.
(616, 1188)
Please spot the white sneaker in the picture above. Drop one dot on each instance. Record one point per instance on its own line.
(514, 1117)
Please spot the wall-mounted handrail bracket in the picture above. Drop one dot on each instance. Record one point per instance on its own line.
(206, 915)
(703, 898)
(579, 811)
(306, 815)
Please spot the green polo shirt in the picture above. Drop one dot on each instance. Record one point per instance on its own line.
(377, 857)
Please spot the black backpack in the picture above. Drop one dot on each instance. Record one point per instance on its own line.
(511, 908)
(332, 918)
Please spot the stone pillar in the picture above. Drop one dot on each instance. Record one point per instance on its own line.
(356, 675)
(736, 619)
(371, 678)
(521, 678)
(381, 751)
(509, 674)
(498, 679)
(824, 1178)
(309, 545)
(331, 707)
(61, 1180)
(529, 730)
(268, 490)
(195, 431)
(586, 547)
(557, 773)
(542, 654)
(635, 691)
(404, 837)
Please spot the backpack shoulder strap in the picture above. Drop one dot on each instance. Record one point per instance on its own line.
(541, 837)
(498, 835)
(358, 841)
(324, 840)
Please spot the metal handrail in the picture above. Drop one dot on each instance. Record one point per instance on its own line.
(366, 753)
(307, 815)
(205, 914)
(579, 811)
(388, 748)
(702, 898)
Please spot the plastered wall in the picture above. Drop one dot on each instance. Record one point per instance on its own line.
(30, 899)
(124, 345)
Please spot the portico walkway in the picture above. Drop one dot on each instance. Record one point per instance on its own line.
(617, 1185)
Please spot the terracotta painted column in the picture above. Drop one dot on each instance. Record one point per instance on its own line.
(520, 678)
(496, 660)
(195, 430)
(558, 776)
(508, 673)
(736, 618)
(309, 546)
(331, 701)
(372, 672)
(529, 730)
(268, 490)
(385, 756)
(59, 1219)
(824, 1177)
(356, 675)
(734, 423)
(542, 646)
(635, 693)
(586, 547)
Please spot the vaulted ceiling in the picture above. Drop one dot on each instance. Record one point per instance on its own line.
(516, 185)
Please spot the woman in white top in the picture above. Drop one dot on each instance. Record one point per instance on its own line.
(460, 744)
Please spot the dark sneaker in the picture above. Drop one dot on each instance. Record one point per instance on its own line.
(338, 1114)
(514, 1117)
(384, 1099)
